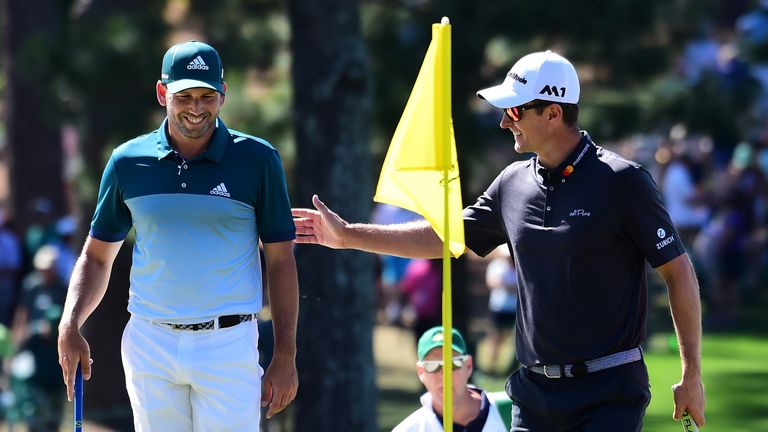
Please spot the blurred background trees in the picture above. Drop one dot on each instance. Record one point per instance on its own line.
(331, 106)
(326, 83)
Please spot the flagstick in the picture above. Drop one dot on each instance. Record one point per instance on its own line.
(447, 322)
(447, 326)
(442, 137)
(421, 159)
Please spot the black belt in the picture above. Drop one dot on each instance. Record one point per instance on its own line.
(223, 321)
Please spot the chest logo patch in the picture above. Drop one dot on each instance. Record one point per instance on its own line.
(220, 190)
(579, 212)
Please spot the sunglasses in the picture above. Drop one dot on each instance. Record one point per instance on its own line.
(516, 113)
(432, 366)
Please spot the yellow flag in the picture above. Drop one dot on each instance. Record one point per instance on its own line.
(422, 153)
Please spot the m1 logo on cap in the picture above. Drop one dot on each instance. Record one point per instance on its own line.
(553, 91)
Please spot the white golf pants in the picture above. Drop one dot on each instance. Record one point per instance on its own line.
(183, 381)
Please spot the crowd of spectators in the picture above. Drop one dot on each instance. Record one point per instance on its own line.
(714, 178)
(34, 272)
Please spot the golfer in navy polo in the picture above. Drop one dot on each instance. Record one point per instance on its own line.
(200, 197)
(581, 222)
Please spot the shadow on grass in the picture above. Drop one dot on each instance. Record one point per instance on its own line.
(407, 397)
(395, 405)
(747, 396)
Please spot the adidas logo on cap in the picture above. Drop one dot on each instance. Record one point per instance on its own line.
(198, 63)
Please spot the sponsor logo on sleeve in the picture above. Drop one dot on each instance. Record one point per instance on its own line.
(666, 241)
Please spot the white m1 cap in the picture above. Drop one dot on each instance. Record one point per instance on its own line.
(541, 75)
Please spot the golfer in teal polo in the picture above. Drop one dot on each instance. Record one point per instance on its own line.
(200, 197)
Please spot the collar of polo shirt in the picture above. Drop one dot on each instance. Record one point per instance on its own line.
(216, 147)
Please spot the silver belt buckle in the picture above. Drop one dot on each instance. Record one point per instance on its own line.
(557, 370)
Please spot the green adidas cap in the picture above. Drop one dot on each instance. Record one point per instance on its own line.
(192, 64)
(433, 338)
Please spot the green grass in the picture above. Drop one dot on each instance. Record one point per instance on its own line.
(735, 370)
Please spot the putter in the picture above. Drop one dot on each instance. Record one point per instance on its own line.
(79, 400)
(688, 424)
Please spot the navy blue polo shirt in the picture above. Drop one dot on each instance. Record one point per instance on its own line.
(197, 222)
(580, 237)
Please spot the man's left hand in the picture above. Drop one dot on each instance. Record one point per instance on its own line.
(280, 384)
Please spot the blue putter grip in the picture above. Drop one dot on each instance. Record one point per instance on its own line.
(79, 399)
(689, 425)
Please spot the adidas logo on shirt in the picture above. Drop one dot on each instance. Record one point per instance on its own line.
(220, 190)
(197, 63)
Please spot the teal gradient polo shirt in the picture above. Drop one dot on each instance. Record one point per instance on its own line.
(198, 222)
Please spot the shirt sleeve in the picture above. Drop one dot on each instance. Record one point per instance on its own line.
(273, 209)
(483, 228)
(112, 218)
(645, 219)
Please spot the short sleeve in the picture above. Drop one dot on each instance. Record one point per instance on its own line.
(112, 218)
(273, 209)
(483, 228)
(645, 219)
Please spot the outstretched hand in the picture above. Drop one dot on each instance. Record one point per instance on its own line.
(321, 226)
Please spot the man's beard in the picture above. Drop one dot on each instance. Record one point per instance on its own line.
(202, 129)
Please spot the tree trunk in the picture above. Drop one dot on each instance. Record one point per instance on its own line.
(332, 104)
(132, 70)
(32, 122)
